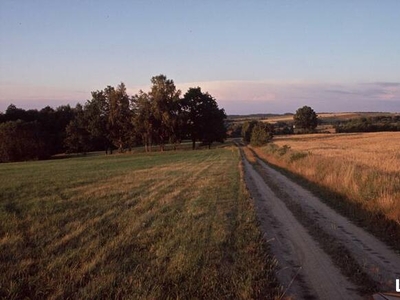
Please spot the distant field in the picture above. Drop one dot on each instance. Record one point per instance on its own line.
(170, 225)
(328, 117)
(365, 167)
(327, 120)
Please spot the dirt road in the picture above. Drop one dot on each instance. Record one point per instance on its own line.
(320, 253)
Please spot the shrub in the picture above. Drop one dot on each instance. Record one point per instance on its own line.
(261, 134)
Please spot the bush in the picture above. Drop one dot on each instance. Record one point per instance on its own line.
(261, 134)
(297, 156)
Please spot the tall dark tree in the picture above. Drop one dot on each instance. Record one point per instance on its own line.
(305, 119)
(50, 122)
(143, 119)
(96, 113)
(22, 140)
(164, 99)
(105, 121)
(120, 116)
(204, 120)
(13, 113)
(77, 136)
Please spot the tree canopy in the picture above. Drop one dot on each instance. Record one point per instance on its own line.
(112, 119)
(261, 134)
(204, 121)
(257, 133)
(305, 119)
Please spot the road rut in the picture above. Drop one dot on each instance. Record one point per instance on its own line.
(305, 270)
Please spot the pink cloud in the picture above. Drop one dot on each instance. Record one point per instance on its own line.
(28, 96)
(238, 97)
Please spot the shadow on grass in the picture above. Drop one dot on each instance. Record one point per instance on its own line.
(184, 146)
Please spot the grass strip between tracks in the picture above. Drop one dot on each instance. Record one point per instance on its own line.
(339, 254)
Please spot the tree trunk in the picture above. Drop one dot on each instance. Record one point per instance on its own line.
(193, 144)
(150, 145)
(145, 143)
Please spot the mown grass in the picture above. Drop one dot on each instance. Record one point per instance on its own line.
(143, 226)
(357, 174)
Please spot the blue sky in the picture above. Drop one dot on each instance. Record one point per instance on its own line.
(252, 56)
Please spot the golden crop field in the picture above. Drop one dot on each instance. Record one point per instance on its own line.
(380, 150)
(363, 167)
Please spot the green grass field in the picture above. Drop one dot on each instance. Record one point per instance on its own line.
(170, 225)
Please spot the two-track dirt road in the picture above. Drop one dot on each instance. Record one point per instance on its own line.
(302, 231)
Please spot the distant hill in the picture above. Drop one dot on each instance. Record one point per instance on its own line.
(257, 116)
(328, 121)
(325, 117)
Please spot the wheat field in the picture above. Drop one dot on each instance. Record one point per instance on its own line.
(378, 150)
(364, 167)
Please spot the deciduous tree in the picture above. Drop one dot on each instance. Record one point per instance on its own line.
(119, 117)
(143, 119)
(261, 134)
(77, 135)
(247, 129)
(306, 119)
(164, 99)
(204, 120)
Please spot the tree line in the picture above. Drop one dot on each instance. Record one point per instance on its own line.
(33, 134)
(258, 133)
(113, 120)
(370, 124)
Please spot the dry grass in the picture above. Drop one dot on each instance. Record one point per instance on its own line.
(380, 151)
(364, 167)
(144, 226)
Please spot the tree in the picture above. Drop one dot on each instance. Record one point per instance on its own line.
(119, 117)
(51, 123)
(164, 99)
(96, 113)
(22, 140)
(261, 134)
(214, 129)
(108, 118)
(306, 119)
(204, 120)
(143, 119)
(13, 113)
(77, 138)
(247, 129)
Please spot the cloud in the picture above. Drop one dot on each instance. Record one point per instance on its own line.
(386, 84)
(27, 96)
(234, 90)
(240, 97)
(281, 96)
(340, 92)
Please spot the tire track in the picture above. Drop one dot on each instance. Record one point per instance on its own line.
(373, 256)
(305, 270)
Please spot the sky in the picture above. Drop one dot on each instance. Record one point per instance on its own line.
(252, 56)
